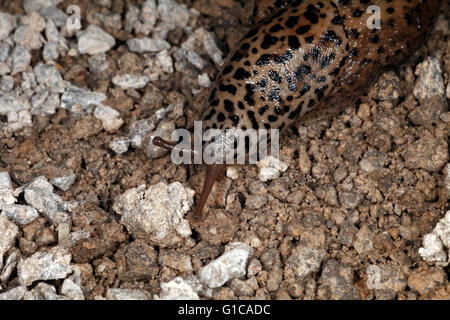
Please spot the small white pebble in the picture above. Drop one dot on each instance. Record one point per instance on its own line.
(127, 81)
(232, 173)
(120, 145)
(255, 242)
(109, 117)
(203, 80)
(270, 168)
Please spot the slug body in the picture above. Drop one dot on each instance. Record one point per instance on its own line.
(309, 59)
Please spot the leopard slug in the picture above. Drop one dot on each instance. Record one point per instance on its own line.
(308, 59)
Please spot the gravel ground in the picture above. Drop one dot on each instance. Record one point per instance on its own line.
(357, 208)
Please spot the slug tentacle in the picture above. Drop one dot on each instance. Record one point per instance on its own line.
(213, 173)
(170, 146)
(160, 142)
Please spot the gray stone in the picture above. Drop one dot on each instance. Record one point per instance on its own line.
(28, 37)
(347, 233)
(373, 160)
(386, 280)
(98, 62)
(28, 81)
(429, 82)
(8, 232)
(149, 13)
(6, 83)
(64, 182)
(164, 61)
(203, 80)
(44, 291)
(72, 290)
(12, 103)
(5, 51)
(176, 261)
(109, 117)
(16, 293)
(232, 264)
(39, 97)
(255, 201)
(338, 281)
(52, 35)
(429, 110)
(177, 289)
(195, 59)
(427, 153)
(273, 281)
(19, 120)
(7, 24)
(55, 15)
(5, 180)
(436, 245)
(51, 265)
(47, 75)
(350, 200)
(69, 240)
(304, 261)
(120, 145)
(21, 59)
(164, 131)
(20, 214)
(37, 5)
(51, 51)
(254, 267)
(131, 18)
(10, 264)
(94, 40)
(126, 294)
(141, 45)
(127, 81)
(6, 197)
(173, 13)
(39, 194)
(156, 214)
(34, 21)
(113, 21)
(270, 259)
(4, 69)
(270, 168)
(364, 240)
(139, 129)
(160, 31)
(48, 107)
(210, 45)
(84, 98)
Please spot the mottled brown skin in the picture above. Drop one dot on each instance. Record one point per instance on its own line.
(309, 59)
